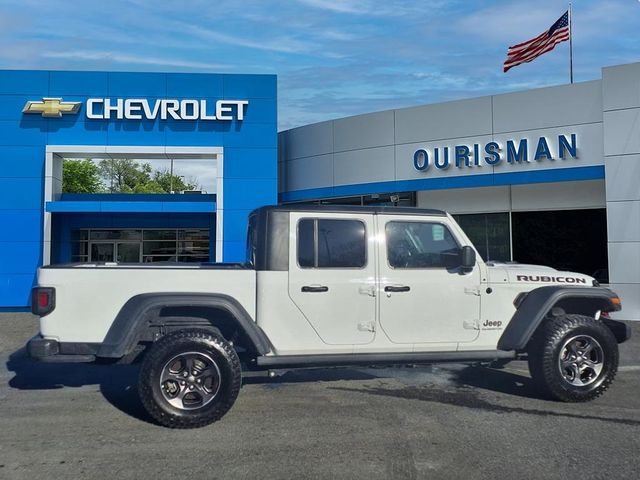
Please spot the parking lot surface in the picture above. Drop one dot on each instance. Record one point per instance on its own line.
(447, 421)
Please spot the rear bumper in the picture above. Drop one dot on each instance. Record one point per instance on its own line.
(49, 350)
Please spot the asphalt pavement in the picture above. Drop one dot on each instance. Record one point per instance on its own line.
(447, 421)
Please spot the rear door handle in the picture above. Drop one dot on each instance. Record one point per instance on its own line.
(314, 289)
(397, 288)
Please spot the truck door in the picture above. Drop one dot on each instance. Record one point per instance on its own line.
(332, 275)
(425, 297)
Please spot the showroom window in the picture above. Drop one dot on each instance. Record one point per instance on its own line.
(489, 233)
(331, 243)
(421, 245)
(141, 246)
(573, 240)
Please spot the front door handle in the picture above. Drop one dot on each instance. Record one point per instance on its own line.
(314, 289)
(397, 288)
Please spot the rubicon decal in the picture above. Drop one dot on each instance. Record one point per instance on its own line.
(547, 279)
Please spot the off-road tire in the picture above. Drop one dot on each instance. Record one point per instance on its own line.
(546, 354)
(204, 342)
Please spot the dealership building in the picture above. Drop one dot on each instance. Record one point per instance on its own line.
(547, 176)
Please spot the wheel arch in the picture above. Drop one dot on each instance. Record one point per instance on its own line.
(540, 302)
(148, 316)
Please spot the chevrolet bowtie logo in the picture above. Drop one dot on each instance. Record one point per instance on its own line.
(52, 107)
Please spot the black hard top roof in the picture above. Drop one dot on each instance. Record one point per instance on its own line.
(354, 209)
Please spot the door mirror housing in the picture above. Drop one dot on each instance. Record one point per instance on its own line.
(467, 257)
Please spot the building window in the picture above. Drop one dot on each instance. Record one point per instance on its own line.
(141, 246)
(573, 240)
(331, 243)
(402, 199)
(421, 245)
(489, 233)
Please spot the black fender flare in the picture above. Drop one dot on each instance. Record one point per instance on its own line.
(133, 318)
(538, 302)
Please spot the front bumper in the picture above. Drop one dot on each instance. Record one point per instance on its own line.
(49, 350)
(620, 330)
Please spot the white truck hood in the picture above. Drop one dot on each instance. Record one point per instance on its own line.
(519, 273)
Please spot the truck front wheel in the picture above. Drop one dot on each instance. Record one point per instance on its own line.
(189, 379)
(573, 358)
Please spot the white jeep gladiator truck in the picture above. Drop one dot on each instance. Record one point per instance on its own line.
(327, 286)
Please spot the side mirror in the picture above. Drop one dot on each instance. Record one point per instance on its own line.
(467, 258)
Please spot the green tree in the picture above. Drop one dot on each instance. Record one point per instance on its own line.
(124, 175)
(80, 176)
(129, 176)
(174, 183)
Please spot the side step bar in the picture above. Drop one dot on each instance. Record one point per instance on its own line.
(336, 360)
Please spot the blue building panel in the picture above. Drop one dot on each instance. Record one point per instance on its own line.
(261, 110)
(202, 134)
(20, 225)
(188, 85)
(76, 132)
(251, 163)
(249, 152)
(28, 82)
(22, 161)
(247, 193)
(15, 289)
(127, 84)
(249, 86)
(256, 134)
(94, 84)
(20, 257)
(28, 132)
(136, 132)
(11, 108)
(235, 251)
(21, 194)
(235, 225)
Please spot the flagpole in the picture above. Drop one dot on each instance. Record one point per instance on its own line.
(570, 44)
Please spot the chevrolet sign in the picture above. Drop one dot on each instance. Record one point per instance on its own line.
(142, 109)
(51, 107)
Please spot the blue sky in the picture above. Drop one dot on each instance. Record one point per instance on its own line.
(333, 58)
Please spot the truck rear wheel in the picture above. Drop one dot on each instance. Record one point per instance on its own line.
(573, 358)
(189, 379)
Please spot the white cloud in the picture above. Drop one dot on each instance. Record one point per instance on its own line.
(375, 7)
(278, 44)
(341, 6)
(96, 55)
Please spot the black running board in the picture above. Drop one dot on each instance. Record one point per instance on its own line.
(336, 360)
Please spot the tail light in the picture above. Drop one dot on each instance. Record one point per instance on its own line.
(43, 300)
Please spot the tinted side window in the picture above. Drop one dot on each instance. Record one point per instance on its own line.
(252, 240)
(306, 243)
(341, 243)
(421, 245)
(331, 243)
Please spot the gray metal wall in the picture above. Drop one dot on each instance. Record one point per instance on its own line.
(379, 147)
(621, 106)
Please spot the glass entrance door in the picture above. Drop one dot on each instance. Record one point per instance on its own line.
(102, 251)
(128, 252)
(142, 246)
(123, 252)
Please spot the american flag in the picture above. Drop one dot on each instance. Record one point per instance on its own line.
(543, 43)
